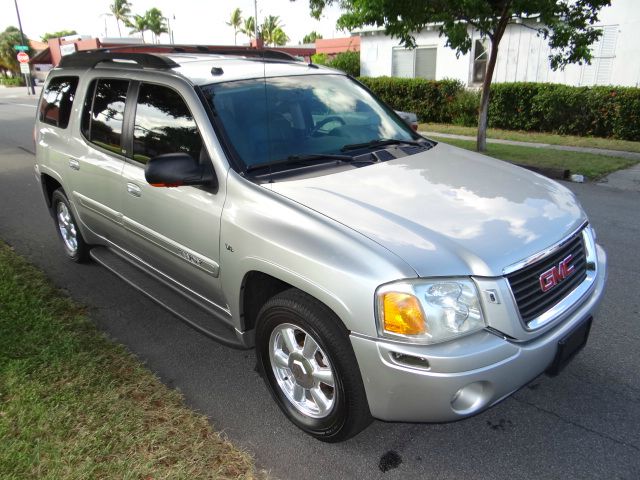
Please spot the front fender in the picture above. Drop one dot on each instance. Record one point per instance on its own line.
(265, 232)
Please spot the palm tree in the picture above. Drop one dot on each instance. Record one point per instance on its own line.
(311, 37)
(248, 27)
(236, 23)
(121, 10)
(156, 23)
(272, 32)
(278, 37)
(139, 25)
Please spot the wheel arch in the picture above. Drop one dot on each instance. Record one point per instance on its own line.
(49, 185)
(260, 284)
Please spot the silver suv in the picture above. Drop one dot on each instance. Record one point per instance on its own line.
(279, 205)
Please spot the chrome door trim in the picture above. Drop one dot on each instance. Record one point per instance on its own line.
(183, 253)
(99, 208)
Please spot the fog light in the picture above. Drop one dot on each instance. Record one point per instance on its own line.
(472, 398)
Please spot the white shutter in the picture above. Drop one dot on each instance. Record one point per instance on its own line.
(607, 54)
(402, 63)
(603, 55)
(426, 62)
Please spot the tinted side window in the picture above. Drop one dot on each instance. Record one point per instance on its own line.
(102, 121)
(163, 124)
(57, 100)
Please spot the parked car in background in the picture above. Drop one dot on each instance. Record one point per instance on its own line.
(410, 118)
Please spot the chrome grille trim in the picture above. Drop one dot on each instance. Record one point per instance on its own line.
(544, 253)
(573, 298)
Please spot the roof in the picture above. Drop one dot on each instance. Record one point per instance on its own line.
(199, 67)
(229, 68)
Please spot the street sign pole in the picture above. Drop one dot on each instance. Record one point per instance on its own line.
(27, 76)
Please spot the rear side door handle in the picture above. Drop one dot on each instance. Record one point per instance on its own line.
(74, 164)
(133, 189)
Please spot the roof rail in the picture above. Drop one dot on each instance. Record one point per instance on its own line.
(90, 58)
(266, 53)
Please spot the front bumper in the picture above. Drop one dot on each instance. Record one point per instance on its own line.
(456, 379)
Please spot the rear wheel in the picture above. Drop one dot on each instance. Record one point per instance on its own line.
(74, 245)
(308, 364)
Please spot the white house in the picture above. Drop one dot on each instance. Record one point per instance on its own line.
(523, 56)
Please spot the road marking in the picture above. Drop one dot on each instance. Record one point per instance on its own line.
(23, 104)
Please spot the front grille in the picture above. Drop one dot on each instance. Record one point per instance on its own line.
(525, 283)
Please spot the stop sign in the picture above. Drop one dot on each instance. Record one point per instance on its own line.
(23, 57)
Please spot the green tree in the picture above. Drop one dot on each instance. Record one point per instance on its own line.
(138, 24)
(249, 27)
(235, 22)
(8, 39)
(565, 24)
(156, 23)
(60, 34)
(311, 37)
(121, 10)
(272, 32)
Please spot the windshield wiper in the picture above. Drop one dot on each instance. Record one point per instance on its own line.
(299, 159)
(381, 143)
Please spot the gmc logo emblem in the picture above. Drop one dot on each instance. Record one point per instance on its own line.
(556, 274)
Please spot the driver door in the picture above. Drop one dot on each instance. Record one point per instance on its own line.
(174, 230)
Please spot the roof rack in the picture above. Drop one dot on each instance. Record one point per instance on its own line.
(91, 58)
(150, 58)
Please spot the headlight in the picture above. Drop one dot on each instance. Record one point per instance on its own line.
(428, 311)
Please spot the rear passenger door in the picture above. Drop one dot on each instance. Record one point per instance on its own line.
(175, 230)
(98, 157)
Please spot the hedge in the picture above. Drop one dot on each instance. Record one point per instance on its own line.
(541, 107)
(430, 100)
(12, 81)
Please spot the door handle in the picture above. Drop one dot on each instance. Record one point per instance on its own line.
(74, 164)
(133, 189)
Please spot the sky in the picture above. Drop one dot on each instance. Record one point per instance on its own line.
(196, 22)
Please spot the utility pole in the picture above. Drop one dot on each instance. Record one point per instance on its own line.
(255, 22)
(27, 76)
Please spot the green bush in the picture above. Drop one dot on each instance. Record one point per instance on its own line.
(319, 58)
(348, 62)
(588, 111)
(12, 81)
(430, 100)
(538, 107)
(464, 108)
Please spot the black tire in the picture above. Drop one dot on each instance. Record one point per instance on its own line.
(349, 413)
(80, 253)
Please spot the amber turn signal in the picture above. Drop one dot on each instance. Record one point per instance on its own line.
(402, 314)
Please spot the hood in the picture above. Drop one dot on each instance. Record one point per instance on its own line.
(445, 211)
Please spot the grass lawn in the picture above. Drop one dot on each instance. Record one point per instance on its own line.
(588, 164)
(74, 405)
(550, 138)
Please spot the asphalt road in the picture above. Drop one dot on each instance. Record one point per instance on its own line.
(582, 424)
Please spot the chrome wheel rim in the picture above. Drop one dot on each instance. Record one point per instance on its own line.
(67, 227)
(302, 370)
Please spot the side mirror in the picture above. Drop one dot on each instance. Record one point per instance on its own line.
(178, 169)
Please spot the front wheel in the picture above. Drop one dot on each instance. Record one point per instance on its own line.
(74, 245)
(308, 364)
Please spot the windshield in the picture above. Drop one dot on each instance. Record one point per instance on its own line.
(272, 119)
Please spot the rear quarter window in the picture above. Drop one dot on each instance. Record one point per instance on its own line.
(57, 101)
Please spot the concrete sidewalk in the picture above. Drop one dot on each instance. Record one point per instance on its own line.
(597, 151)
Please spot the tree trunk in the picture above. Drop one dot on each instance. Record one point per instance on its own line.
(118, 23)
(505, 15)
(481, 144)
